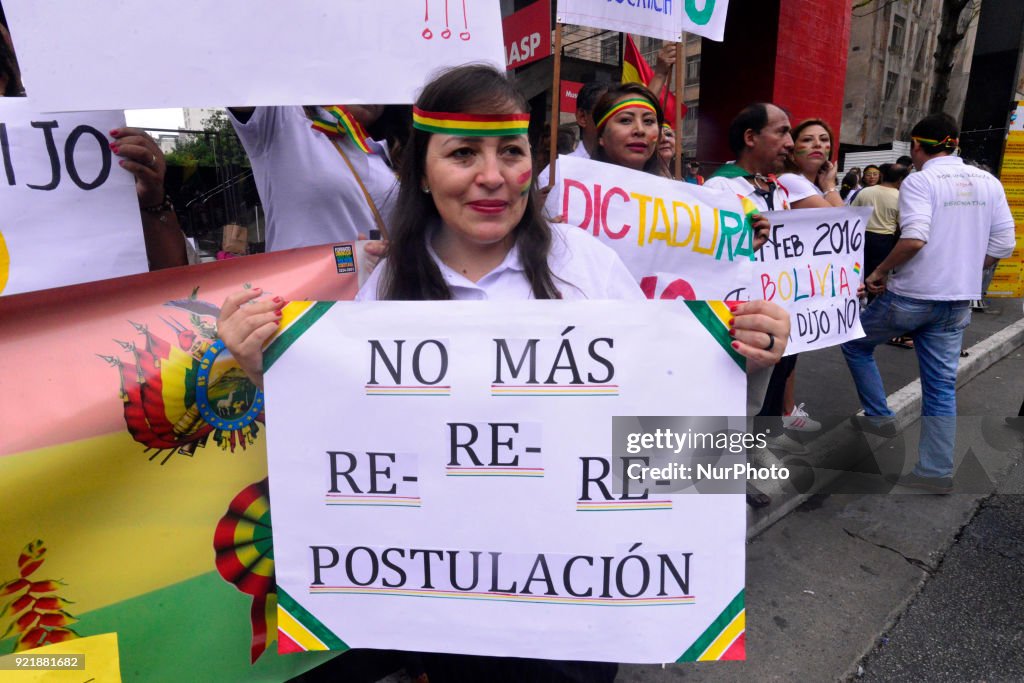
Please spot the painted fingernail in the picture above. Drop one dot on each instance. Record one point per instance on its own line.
(732, 332)
(736, 345)
(121, 163)
(114, 133)
(278, 313)
(278, 299)
(733, 305)
(730, 322)
(114, 147)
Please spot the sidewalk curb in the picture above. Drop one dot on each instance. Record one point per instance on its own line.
(905, 402)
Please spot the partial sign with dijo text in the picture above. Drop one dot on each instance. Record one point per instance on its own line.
(678, 240)
(664, 19)
(495, 502)
(68, 212)
(278, 53)
(812, 266)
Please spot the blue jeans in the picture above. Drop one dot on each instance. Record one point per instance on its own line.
(937, 328)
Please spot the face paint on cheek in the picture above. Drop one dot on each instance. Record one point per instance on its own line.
(801, 152)
(524, 181)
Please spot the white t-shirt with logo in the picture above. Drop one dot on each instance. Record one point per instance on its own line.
(962, 214)
(307, 190)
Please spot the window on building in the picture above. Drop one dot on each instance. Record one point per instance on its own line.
(649, 48)
(914, 97)
(899, 34)
(692, 38)
(919, 61)
(610, 50)
(692, 69)
(892, 79)
(690, 121)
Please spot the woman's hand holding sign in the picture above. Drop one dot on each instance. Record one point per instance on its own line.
(760, 330)
(245, 324)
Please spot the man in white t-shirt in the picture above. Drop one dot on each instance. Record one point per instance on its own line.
(954, 221)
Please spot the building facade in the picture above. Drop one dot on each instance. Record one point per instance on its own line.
(889, 71)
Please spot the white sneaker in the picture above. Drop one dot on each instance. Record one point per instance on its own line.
(800, 421)
(787, 444)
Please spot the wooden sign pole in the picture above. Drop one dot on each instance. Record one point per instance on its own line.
(556, 102)
(676, 115)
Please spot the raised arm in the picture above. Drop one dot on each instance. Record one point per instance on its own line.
(143, 158)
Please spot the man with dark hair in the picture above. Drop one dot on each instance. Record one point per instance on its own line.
(906, 161)
(954, 220)
(588, 96)
(760, 138)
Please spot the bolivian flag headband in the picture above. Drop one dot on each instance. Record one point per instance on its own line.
(949, 141)
(343, 124)
(475, 125)
(625, 104)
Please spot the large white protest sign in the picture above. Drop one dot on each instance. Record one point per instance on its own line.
(664, 19)
(244, 52)
(68, 213)
(678, 240)
(812, 265)
(441, 477)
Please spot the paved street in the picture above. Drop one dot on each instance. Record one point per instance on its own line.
(896, 587)
(864, 583)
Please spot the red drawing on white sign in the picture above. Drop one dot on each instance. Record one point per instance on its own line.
(447, 32)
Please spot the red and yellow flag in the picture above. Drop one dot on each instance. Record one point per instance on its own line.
(133, 470)
(635, 69)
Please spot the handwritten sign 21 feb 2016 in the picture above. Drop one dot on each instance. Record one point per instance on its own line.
(665, 19)
(346, 52)
(68, 213)
(678, 240)
(441, 478)
(812, 265)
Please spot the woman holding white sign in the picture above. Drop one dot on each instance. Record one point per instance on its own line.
(810, 183)
(468, 226)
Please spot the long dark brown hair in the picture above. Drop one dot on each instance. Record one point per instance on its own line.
(410, 273)
(8, 63)
(608, 100)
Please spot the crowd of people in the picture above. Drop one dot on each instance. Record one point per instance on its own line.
(461, 210)
(333, 173)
